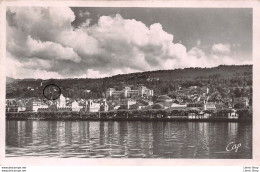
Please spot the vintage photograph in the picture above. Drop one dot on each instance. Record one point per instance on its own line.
(129, 82)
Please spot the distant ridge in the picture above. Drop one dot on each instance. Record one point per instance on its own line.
(9, 79)
(161, 81)
(177, 73)
(193, 72)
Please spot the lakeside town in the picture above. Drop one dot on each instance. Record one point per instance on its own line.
(128, 81)
(195, 101)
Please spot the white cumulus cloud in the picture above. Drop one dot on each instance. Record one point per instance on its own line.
(43, 40)
(221, 48)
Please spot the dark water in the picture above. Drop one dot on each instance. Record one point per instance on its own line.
(132, 139)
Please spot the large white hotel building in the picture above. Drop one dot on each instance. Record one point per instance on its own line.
(127, 92)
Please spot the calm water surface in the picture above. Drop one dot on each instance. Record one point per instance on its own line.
(131, 139)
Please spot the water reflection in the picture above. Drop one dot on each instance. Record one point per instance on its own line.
(127, 139)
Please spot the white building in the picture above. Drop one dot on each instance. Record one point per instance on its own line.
(92, 106)
(127, 92)
(61, 102)
(34, 105)
(192, 115)
(175, 105)
(21, 106)
(145, 91)
(75, 106)
(233, 115)
(209, 106)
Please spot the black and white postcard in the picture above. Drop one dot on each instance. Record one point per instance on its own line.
(108, 81)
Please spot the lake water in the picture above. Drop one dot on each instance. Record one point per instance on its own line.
(128, 139)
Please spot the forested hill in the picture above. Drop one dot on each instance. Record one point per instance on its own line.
(221, 71)
(162, 81)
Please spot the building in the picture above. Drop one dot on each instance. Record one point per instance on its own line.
(209, 106)
(87, 91)
(193, 87)
(34, 105)
(92, 106)
(192, 115)
(82, 105)
(114, 107)
(232, 114)
(128, 92)
(198, 105)
(61, 102)
(21, 106)
(11, 105)
(206, 115)
(54, 108)
(75, 106)
(64, 109)
(104, 106)
(137, 106)
(165, 101)
(12, 108)
(175, 105)
(143, 91)
(203, 115)
(111, 92)
(126, 103)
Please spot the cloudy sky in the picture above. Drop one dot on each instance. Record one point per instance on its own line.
(97, 42)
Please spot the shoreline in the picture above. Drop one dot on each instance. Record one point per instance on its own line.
(141, 120)
(136, 115)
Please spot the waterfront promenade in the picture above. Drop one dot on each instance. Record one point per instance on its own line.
(152, 114)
